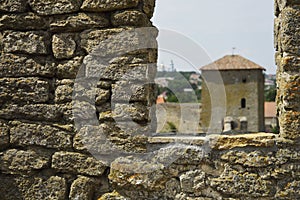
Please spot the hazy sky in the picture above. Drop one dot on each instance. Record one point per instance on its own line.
(217, 26)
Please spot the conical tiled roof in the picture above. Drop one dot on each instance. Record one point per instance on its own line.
(232, 62)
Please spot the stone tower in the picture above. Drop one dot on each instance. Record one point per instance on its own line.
(243, 82)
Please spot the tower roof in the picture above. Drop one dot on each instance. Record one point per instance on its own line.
(232, 62)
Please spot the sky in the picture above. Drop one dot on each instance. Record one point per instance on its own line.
(217, 27)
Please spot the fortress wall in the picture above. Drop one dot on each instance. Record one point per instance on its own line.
(55, 148)
(56, 51)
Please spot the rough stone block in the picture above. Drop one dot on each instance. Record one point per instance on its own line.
(95, 67)
(79, 22)
(289, 36)
(36, 112)
(104, 5)
(148, 7)
(84, 110)
(288, 190)
(50, 7)
(90, 137)
(24, 134)
(102, 96)
(249, 159)
(63, 46)
(24, 21)
(77, 163)
(289, 122)
(90, 39)
(130, 18)
(255, 140)
(19, 66)
(63, 93)
(20, 187)
(131, 111)
(289, 86)
(86, 188)
(125, 91)
(111, 43)
(4, 135)
(69, 69)
(193, 181)
(13, 5)
(289, 64)
(21, 90)
(32, 42)
(15, 161)
(245, 184)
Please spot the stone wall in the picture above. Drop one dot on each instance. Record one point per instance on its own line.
(67, 114)
(48, 48)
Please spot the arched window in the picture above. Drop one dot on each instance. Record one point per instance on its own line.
(243, 103)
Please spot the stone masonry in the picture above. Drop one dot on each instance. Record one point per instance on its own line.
(75, 112)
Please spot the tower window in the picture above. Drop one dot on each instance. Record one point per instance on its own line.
(243, 103)
(244, 80)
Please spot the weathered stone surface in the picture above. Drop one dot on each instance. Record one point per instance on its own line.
(37, 112)
(21, 90)
(20, 188)
(285, 3)
(113, 195)
(103, 5)
(24, 21)
(13, 5)
(290, 125)
(172, 188)
(193, 181)
(288, 36)
(63, 92)
(4, 135)
(125, 91)
(131, 111)
(101, 96)
(246, 184)
(85, 188)
(24, 134)
(63, 46)
(93, 139)
(78, 22)
(32, 42)
(50, 7)
(15, 161)
(289, 191)
(70, 68)
(255, 140)
(130, 18)
(96, 68)
(84, 110)
(290, 92)
(132, 172)
(90, 39)
(148, 7)
(77, 163)
(22, 66)
(288, 63)
(249, 159)
(119, 41)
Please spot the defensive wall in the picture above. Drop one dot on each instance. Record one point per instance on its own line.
(69, 131)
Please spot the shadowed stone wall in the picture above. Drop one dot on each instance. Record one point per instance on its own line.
(53, 148)
(44, 46)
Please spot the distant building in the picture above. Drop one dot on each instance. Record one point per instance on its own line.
(243, 81)
(271, 121)
(163, 81)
